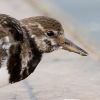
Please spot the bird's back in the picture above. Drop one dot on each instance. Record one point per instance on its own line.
(11, 35)
(18, 53)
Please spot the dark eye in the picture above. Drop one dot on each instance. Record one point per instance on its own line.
(50, 33)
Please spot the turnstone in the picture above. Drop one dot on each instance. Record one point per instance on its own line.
(23, 42)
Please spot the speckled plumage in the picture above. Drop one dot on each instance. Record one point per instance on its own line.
(22, 43)
(46, 22)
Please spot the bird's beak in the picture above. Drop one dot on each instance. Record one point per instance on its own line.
(70, 46)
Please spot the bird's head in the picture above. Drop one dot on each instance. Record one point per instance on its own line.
(48, 35)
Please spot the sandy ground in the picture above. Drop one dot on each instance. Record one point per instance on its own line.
(59, 76)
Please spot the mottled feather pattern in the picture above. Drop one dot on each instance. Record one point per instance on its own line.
(22, 43)
(15, 54)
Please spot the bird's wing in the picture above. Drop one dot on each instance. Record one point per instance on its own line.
(9, 26)
(11, 35)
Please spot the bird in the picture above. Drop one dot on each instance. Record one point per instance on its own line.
(23, 43)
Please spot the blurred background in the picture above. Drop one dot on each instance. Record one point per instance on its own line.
(61, 75)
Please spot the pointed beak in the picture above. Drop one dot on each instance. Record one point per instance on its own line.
(69, 46)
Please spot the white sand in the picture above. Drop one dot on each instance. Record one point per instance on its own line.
(59, 76)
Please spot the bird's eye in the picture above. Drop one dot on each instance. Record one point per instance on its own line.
(50, 33)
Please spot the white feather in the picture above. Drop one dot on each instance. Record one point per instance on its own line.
(4, 76)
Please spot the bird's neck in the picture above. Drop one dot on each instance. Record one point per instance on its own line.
(19, 61)
(22, 61)
(30, 56)
(28, 60)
